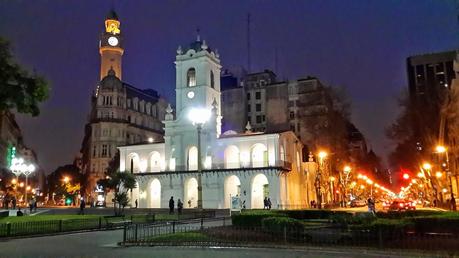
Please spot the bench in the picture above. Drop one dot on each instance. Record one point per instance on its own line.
(116, 223)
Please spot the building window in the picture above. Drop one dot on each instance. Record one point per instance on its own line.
(212, 81)
(257, 95)
(191, 77)
(248, 108)
(263, 117)
(258, 119)
(258, 107)
(249, 119)
(104, 150)
(292, 115)
(248, 95)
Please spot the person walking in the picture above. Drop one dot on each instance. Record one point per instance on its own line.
(82, 206)
(269, 203)
(265, 203)
(179, 206)
(136, 203)
(13, 202)
(171, 205)
(30, 206)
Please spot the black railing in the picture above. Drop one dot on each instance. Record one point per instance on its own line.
(27, 228)
(229, 166)
(221, 233)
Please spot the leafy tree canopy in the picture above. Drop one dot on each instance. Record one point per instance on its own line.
(18, 89)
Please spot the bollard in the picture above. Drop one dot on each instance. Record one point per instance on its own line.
(285, 234)
(8, 229)
(124, 234)
(173, 227)
(202, 223)
(100, 222)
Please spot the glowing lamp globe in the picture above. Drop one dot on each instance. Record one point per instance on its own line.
(199, 115)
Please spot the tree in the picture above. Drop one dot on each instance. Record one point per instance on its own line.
(59, 185)
(120, 183)
(18, 89)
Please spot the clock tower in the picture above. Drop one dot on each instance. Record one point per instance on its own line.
(111, 46)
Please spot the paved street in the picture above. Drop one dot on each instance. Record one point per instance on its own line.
(103, 244)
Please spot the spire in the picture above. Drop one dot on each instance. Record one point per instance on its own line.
(112, 15)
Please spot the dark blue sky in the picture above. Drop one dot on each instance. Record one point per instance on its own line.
(360, 44)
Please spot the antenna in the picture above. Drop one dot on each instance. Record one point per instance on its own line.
(248, 44)
(275, 61)
(198, 36)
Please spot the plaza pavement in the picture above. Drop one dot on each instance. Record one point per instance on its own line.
(103, 244)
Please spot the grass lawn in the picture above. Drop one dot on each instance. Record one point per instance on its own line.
(46, 218)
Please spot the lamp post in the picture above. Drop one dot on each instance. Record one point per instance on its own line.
(443, 149)
(427, 168)
(322, 155)
(19, 167)
(199, 116)
(346, 171)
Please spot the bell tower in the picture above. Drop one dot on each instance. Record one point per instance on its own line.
(111, 46)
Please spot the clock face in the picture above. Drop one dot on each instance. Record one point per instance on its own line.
(113, 41)
(190, 94)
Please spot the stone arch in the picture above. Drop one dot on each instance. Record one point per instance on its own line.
(232, 187)
(192, 158)
(133, 165)
(155, 193)
(155, 161)
(135, 194)
(231, 156)
(260, 190)
(259, 155)
(190, 199)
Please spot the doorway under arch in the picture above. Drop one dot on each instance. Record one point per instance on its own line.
(191, 193)
(232, 187)
(155, 193)
(260, 190)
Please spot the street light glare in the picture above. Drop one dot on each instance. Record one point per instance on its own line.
(347, 169)
(440, 149)
(438, 174)
(427, 166)
(199, 115)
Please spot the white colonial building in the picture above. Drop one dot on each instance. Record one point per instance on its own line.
(250, 165)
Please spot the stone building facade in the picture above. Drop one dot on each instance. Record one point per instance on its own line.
(248, 165)
(120, 113)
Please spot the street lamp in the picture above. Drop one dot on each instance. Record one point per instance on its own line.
(199, 116)
(18, 167)
(443, 149)
(322, 155)
(66, 179)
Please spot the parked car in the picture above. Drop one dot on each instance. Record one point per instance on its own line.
(358, 203)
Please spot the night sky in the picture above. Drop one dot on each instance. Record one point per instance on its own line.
(360, 45)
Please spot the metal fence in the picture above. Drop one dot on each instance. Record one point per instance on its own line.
(221, 233)
(12, 229)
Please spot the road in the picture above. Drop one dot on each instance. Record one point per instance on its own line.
(103, 244)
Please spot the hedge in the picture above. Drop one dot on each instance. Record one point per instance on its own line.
(437, 224)
(406, 214)
(277, 224)
(314, 214)
(253, 218)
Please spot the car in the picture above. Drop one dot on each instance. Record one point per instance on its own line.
(402, 205)
(358, 203)
(386, 204)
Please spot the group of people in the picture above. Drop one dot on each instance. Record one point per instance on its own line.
(267, 203)
(33, 205)
(7, 200)
(172, 205)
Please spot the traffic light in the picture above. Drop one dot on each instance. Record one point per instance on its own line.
(68, 201)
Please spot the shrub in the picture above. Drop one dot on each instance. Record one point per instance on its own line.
(406, 214)
(311, 214)
(436, 224)
(277, 224)
(253, 218)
